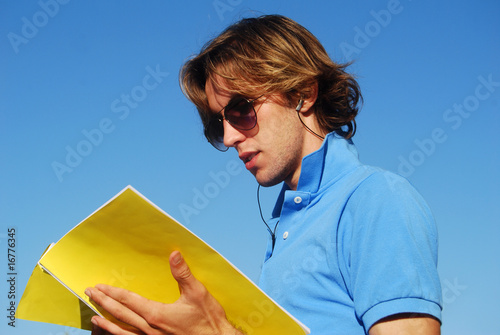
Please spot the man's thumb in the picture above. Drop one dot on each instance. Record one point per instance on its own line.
(180, 270)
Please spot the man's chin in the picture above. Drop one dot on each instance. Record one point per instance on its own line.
(267, 182)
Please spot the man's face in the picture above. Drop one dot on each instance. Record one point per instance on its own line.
(272, 151)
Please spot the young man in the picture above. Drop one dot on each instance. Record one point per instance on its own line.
(353, 249)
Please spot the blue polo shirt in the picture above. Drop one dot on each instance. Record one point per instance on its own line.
(354, 244)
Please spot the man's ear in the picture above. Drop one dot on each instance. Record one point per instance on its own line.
(306, 102)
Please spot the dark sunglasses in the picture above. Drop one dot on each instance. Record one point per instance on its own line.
(240, 114)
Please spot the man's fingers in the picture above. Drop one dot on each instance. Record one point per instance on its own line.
(96, 330)
(116, 302)
(141, 313)
(101, 326)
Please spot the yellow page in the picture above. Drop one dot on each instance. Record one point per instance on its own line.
(46, 300)
(127, 243)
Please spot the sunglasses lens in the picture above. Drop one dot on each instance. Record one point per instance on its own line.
(241, 115)
(214, 132)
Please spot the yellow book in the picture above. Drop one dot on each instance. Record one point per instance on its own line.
(127, 243)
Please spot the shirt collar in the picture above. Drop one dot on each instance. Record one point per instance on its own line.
(336, 153)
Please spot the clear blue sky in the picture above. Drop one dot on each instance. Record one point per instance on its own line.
(82, 116)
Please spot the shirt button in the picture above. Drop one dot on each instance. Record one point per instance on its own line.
(297, 200)
(285, 235)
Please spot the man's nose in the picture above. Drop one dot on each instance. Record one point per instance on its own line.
(232, 136)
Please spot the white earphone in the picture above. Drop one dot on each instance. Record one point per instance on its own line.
(299, 106)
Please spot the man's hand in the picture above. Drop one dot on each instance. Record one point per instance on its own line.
(195, 312)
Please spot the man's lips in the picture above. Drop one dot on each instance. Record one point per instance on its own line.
(249, 158)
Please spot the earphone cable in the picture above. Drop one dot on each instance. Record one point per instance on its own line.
(309, 129)
(273, 234)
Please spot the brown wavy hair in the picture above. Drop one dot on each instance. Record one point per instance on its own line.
(274, 54)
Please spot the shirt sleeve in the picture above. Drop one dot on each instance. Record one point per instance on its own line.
(389, 250)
